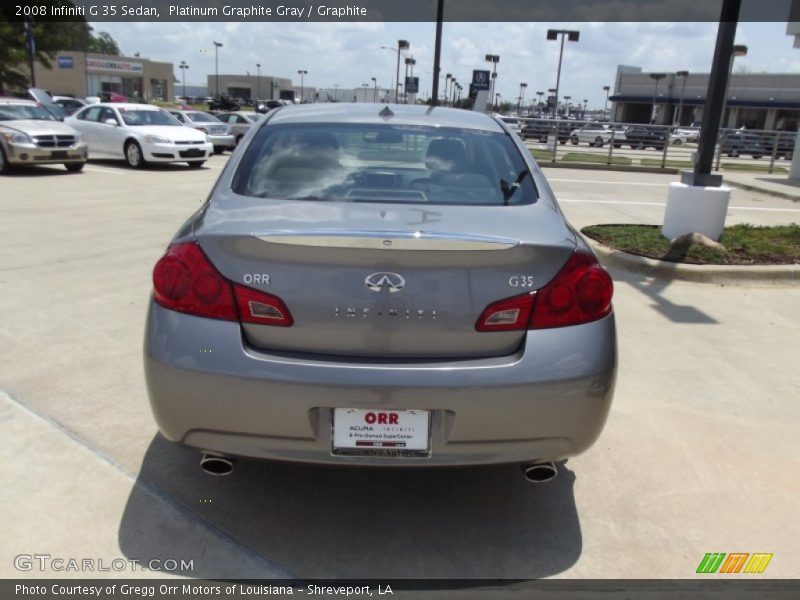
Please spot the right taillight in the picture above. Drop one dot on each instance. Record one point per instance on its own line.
(581, 292)
(185, 281)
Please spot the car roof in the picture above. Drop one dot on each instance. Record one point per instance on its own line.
(127, 105)
(373, 113)
(8, 100)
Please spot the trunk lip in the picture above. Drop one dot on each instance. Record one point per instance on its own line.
(388, 240)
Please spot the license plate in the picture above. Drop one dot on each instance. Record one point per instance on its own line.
(58, 154)
(381, 432)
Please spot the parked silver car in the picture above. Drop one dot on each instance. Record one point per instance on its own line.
(239, 122)
(381, 285)
(219, 134)
(30, 135)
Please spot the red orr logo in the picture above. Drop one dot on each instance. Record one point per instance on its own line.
(381, 418)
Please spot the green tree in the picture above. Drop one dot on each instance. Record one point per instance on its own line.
(50, 38)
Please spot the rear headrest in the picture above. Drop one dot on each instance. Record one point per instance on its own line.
(446, 155)
(319, 139)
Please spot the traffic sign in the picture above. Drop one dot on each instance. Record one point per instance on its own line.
(481, 80)
(412, 85)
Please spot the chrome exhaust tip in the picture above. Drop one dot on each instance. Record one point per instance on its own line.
(216, 465)
(540, 472)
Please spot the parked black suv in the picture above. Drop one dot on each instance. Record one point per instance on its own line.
(646, 137)
(537, 130)
(223, 103)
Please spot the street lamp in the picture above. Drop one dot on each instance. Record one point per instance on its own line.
(522, 87)
(655, 77)
(555, 104)
(217, 46)
(302, 73)
(258, 81)
(607, 90)
(494, 59)
(496, 100)
(567, 98)
(552, 35)
(183, 66)
(738, 50)
(401, 45)
(585, 104)
(447, 79)
(366, 87)
(375, 92)
(683, 75)
(539, 107)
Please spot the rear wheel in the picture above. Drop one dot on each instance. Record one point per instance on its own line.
(133, 155)
(196, 164)
(598, 142)
(573, 140)
(74, 167)
(219, 149)
(733, 153)
(757, 156)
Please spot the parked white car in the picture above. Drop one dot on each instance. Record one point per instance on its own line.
(692, 134)
(139, 133)
(595, 134)
(219, 134)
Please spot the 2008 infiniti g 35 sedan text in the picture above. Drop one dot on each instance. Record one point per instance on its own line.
(390, 286)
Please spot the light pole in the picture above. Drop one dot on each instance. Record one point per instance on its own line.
(401, 45)
(585, 104)
(555, 103)
(683, 75)
(366, 87)
(336, 91)
(375, 92)
(655, 77)
(552, 35)
(496, 100)
(456, 86)
(738, 50)
(522, 87)
(302, 73)
(183, 66)
(567, 98)
(494, 59)
(447, 79)
(217, 46)
(607, 90)
(539, 107)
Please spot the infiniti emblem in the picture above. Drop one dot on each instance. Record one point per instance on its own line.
(377, 281)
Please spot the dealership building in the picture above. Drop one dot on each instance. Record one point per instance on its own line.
(251, 87)
(754, 100)
(80, 74)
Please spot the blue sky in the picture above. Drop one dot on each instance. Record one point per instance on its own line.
(349, 54)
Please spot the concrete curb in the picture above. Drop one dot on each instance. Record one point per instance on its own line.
(762, 190)
(616, 259)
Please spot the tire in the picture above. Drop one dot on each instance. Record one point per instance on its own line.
(562, 143)
(573, 140)
(617, 145)
(677, 142)
(75, 167)
(5, 166)
(633, 146)
(133, 155)
(757, 156)
(219, 149)
(734, 153)
(196, 164)
(598, 142)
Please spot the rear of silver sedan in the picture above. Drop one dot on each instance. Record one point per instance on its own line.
(376, 311)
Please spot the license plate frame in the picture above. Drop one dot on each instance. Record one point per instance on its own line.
(386, 433)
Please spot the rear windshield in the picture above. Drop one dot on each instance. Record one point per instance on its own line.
(384, 163)
(201, 117)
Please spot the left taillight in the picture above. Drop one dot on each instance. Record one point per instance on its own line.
(581, 292)
(185, 281)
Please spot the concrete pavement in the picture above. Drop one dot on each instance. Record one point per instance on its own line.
(699, 453)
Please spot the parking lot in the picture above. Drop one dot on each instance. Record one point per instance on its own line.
(700, 453)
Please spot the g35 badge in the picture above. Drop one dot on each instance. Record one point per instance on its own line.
(523, 281)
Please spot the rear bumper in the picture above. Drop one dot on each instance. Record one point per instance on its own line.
(548, 401)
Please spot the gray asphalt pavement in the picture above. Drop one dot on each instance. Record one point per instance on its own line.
(700, 453)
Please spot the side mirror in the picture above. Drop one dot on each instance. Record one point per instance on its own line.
(111, 122)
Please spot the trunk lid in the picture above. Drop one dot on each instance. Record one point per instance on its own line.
(383, 280)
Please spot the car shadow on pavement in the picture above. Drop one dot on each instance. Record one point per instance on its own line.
(150, 166)
(323, 522)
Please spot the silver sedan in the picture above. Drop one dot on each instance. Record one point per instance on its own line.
(381, 285)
